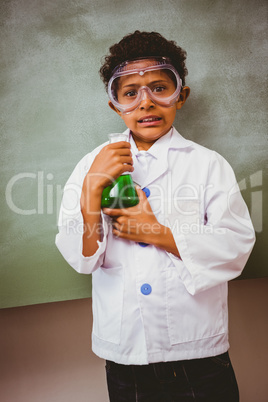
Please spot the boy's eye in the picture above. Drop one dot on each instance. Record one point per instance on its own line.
(159, 89)
(131, 93)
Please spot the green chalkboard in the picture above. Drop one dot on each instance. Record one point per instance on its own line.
(54, 110)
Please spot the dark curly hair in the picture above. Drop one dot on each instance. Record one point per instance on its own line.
(143, 44)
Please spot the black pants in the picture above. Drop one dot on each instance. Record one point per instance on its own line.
(208, 380)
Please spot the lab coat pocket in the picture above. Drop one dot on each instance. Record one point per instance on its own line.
(194, 317)
(107, 303)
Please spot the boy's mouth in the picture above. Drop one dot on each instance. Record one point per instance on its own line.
(149, 119)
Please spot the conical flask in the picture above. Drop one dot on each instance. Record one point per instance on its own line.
(121, 192)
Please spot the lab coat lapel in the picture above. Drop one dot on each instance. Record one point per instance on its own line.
(137, 175)
(172, 140)
(159, 168)
(160, 151)
(142, 180)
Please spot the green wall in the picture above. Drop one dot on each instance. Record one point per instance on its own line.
(54, 110)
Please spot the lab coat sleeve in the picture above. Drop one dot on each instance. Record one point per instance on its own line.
(69, 239)
(218, 251)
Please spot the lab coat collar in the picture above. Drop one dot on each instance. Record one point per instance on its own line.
(159, 150)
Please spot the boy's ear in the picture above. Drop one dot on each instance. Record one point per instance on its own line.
(114, 108)
(185, 92)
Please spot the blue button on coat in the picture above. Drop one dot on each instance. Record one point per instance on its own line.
(147, 191)
(146, 289)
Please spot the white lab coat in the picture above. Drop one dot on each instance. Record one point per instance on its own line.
(184, 314)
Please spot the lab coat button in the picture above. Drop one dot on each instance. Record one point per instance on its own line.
(143, 244)
(146, 289)
(147, 191)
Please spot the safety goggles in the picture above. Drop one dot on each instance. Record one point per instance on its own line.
(134, 80)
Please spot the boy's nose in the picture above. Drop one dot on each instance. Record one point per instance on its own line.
(146, 101)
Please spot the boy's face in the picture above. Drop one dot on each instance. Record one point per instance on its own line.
(149, 121)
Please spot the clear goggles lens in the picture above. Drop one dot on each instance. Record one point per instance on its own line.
(134, 81)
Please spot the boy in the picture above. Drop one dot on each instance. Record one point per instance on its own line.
(160, 269)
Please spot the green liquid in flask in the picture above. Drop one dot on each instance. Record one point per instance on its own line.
(120, 194)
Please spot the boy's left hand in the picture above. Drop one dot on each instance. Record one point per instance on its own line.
(135, 223)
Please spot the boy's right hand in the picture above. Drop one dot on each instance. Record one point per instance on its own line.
(113, 160)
